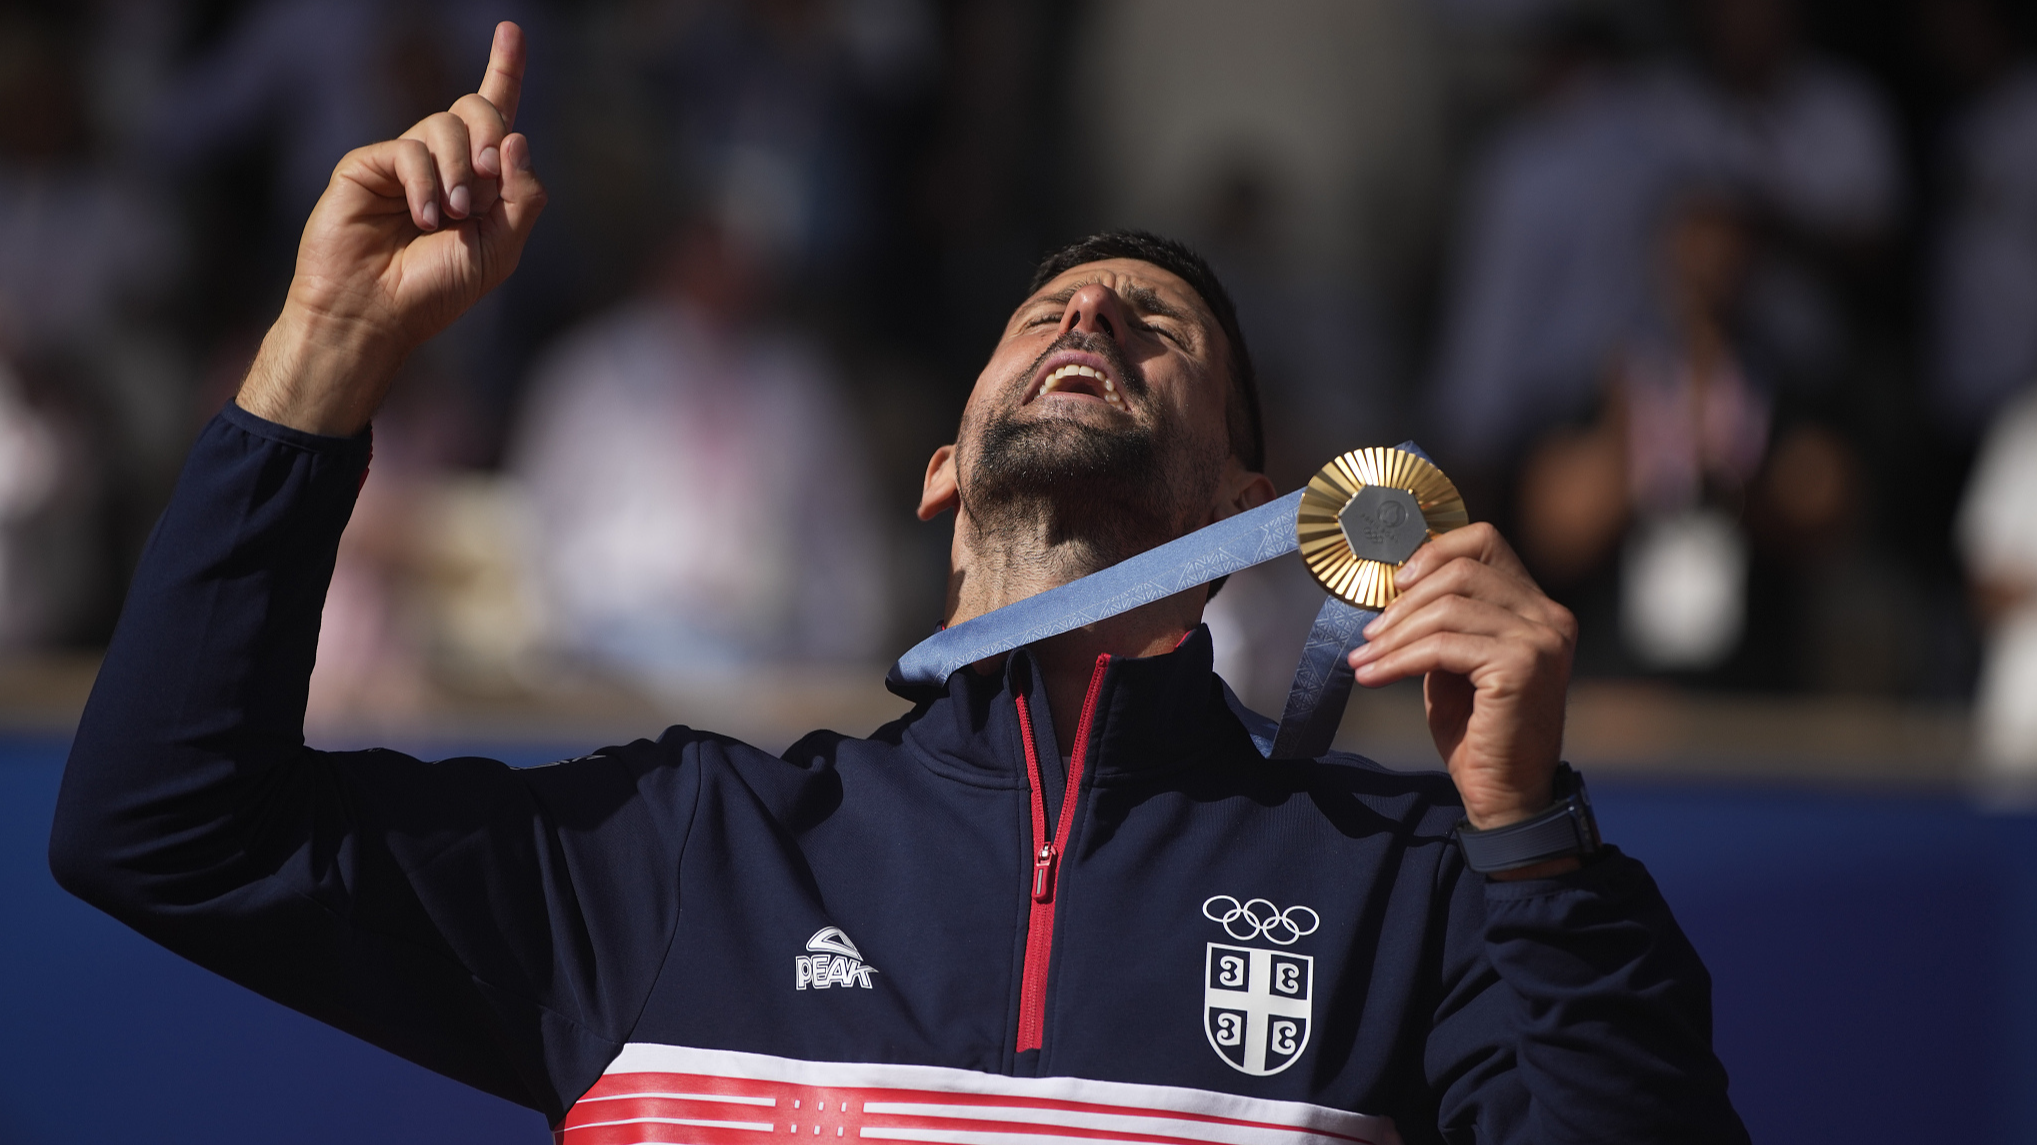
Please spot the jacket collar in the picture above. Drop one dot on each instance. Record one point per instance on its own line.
(1151, 712)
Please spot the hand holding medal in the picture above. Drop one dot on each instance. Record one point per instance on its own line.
(1493, 651)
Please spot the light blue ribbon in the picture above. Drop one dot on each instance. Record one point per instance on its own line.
(1322, 680)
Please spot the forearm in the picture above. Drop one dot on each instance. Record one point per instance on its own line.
(321, 373)
(204, 684)
(1612, 1009)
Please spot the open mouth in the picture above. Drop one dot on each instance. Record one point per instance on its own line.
(1078, 378)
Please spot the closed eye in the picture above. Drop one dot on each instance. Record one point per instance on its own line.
(1161, 331)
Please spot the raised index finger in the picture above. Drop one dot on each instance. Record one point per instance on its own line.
(503, 85)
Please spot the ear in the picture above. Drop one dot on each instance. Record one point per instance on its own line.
(1241, 489)
(940, 492)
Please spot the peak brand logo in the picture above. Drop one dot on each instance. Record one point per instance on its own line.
(1258, 1004)
(835, 961)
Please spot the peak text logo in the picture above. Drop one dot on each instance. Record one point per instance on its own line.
(1257, 1003)
(835, 961)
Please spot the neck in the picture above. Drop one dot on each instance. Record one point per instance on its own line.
(1067, 661)
(995, 570)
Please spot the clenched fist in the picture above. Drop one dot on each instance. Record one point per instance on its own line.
(408, 235)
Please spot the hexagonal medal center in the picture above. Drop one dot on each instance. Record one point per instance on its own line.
(1383, 524)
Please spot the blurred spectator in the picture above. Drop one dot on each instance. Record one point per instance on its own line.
(699, 487)
(320, 78)
(428, 600)
(775, 109)
(84, 255)
(1666, 465)
(1808, 136)
(33, 464)
(76, 241)
(1983, 291)
(1812, 143)
(1555, 252)
(1698, 531)
(1556, 256)
(1998, 534)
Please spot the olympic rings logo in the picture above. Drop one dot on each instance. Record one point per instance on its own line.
(1251, 919)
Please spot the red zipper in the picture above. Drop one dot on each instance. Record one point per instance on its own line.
(1047, 854)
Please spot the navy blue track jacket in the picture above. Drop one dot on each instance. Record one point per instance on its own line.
(941, 933)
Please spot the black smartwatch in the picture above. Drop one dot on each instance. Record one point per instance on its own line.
(1565, 830)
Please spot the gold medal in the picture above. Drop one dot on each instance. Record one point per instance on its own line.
(1365, 513)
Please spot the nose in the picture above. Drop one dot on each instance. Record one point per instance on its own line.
(1095, 309)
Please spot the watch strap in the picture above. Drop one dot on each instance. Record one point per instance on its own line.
(1566, 829)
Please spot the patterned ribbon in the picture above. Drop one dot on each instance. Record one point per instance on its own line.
(1322, 679)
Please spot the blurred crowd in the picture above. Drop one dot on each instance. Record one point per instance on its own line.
(1726, 310)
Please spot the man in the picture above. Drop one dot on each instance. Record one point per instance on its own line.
(1064, 897)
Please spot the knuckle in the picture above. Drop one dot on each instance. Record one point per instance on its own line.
(1452, 573)
(1480, 534)
(475, 106)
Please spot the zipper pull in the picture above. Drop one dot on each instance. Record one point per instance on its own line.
(1043, 873)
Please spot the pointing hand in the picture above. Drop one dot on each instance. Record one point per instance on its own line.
(409, 234)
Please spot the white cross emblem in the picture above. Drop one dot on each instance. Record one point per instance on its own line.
(1256, 1006)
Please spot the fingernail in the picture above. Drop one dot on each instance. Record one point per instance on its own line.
(459, 199)
(431, 216)
(523, 158)
(490, 161)
(1371, 630)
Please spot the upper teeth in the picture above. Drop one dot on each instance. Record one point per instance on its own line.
(1072, 370)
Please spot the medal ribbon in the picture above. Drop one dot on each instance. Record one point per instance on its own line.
(1322, 679)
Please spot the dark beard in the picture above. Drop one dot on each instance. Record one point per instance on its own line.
(1105, 489)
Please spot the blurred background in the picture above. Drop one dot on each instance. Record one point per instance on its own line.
(1725, 310)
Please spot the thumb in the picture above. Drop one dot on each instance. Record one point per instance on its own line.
(523, 197)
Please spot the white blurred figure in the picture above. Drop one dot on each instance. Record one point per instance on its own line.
(32, 465)
(700, 499)
(1998, 538)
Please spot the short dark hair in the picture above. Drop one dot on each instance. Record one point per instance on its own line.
(1241, 413)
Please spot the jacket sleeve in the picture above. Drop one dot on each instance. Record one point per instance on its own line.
(1574, 1009)
(499, 926)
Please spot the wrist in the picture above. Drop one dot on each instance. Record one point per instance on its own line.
(319, 374)
(1495, 809)
(1558, 839)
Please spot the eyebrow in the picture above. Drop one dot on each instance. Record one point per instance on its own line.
(1143, 299)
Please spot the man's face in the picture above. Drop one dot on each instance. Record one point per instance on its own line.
(1103, 406)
